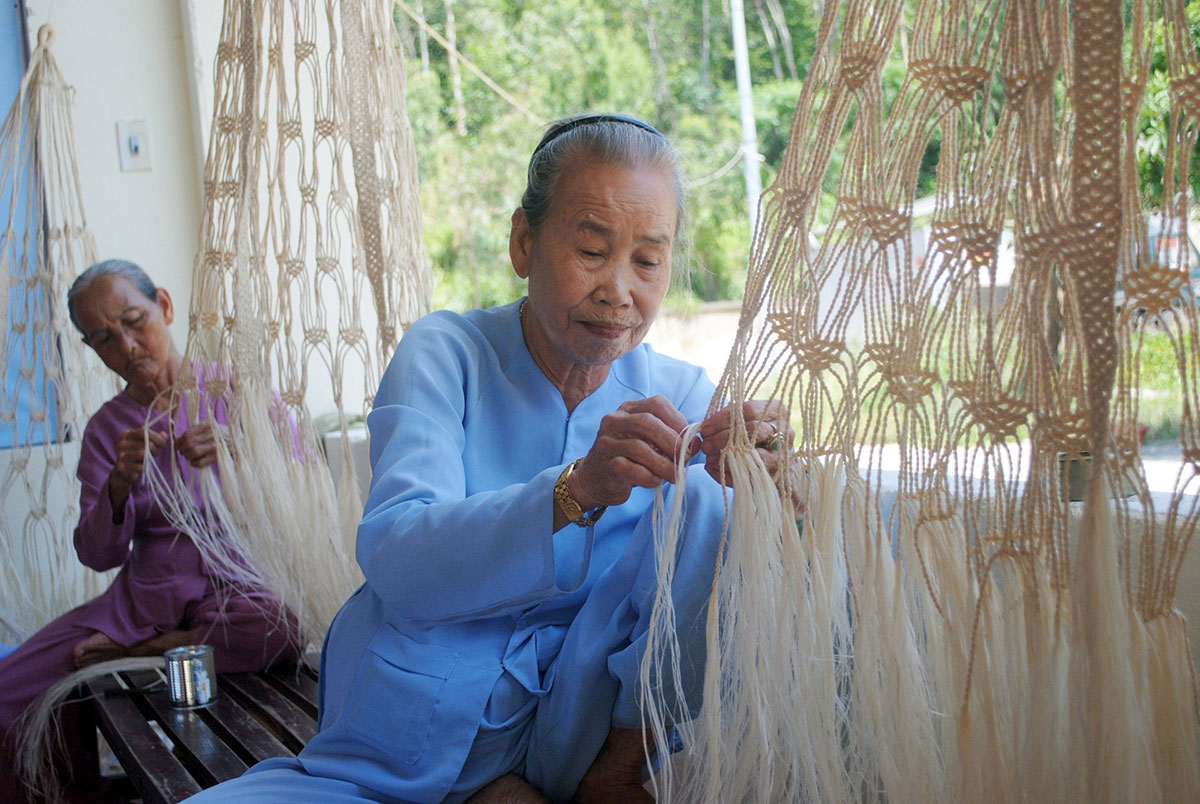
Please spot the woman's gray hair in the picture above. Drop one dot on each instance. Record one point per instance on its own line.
(614, 139)
(124, 268)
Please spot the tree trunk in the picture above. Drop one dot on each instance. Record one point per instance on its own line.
(460, 108)
(403, 26)
(785, 37)
(422, 39)
(662, 85)
(705, 43)
(770, 37)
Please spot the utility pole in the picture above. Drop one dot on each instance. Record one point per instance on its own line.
(750, 157)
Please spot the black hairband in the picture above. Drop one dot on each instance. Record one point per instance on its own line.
(576, 122)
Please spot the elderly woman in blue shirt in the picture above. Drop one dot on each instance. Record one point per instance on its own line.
(493, 652)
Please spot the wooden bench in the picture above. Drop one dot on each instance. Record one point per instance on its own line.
(255, 716)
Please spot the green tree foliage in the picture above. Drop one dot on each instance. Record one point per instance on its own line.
(1154, 126)
(561, 57)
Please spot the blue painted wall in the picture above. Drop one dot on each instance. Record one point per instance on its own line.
(25, 390)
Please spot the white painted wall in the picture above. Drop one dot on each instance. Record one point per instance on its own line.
(126, 60)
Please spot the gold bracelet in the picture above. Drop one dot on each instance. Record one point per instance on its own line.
(569, 505)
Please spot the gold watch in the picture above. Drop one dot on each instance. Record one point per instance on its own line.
(569, 505)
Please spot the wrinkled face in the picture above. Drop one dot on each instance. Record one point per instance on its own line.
(599, 265)
(126, 329)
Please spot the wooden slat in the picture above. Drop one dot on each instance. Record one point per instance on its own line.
(242, 732)
(157, 774)
(298, 683)
(255, 716)
(203, 751)
(295, 726)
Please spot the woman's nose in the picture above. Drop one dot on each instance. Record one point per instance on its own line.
(615, 281)
(126, 341)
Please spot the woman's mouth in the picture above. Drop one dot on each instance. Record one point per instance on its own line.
(605, 331)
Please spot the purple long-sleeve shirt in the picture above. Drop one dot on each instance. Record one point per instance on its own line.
(163, 584)
(161, 570)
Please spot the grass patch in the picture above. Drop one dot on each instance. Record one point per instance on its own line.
(1160, 385)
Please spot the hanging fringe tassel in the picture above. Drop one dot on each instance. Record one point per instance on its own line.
(312, 569)
(840, 668)
(42, 739)
(753, 667)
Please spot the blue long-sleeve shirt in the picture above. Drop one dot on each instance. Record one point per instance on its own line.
(468, 437)
(469, 593)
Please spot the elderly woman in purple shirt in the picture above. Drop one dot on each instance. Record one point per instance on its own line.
(164, 595)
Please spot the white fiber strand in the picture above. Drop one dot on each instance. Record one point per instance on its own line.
(42, 742)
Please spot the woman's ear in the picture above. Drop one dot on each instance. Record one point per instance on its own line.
(163, 298)
(520, 243)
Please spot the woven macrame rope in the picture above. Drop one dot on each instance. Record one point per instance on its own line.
(310, 267)
(52, 383)
(949, 627)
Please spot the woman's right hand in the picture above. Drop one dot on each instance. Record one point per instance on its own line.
(635, 447)
(131, 450)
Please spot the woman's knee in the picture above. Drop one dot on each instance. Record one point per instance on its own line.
(508, 789)
(247, 640)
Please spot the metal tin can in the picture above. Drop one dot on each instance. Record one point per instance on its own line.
(191, 676)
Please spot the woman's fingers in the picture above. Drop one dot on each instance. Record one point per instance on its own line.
(655, 421)
(657, 465)
(767, 428)
(131, 447)
(662, 409)
(132, 444)
(633, 474)
(766, 425)
(635, 447)
(201, 455)
(157, 441)
(198, 444)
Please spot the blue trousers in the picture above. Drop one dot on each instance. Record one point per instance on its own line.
(550, 738)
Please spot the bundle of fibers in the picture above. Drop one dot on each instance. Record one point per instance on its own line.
(951, 625)
(42, 742)
(882, 684)
(310, 266)
(761, 640)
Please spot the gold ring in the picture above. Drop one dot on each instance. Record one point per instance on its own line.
(775, 440)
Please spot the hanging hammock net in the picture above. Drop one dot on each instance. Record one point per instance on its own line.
(44, 245)
(947, 625)
(310, 266)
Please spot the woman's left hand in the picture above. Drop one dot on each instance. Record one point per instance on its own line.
(766, 424)
(198, 444)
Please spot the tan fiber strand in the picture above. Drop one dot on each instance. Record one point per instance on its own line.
(949, 626)
(44, 244)
(42, 740)
(310, 268)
